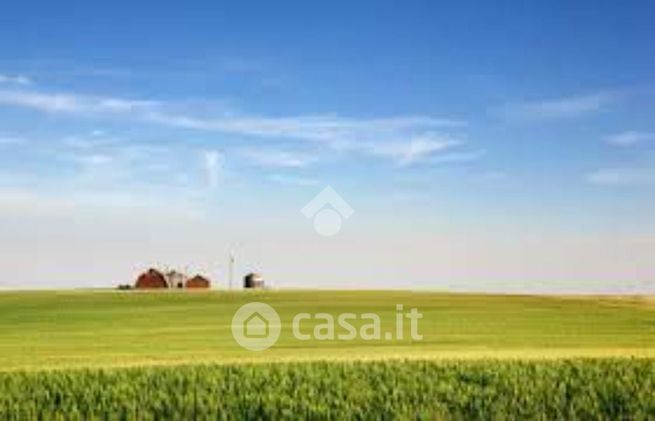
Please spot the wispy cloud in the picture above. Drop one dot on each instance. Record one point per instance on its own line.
(15, 79)
(326, 128)
(404, 139)
(413, 150)
(558, 108)
(630, 138)
(292, 180)
(621, 177)
(101, 161)
(213, 161)
(416, 150)
(274, 158)
(93, 160)
(93, 140)
(71, 103)
(457, 157)
(313, 127)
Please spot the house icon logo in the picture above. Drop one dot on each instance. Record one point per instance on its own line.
(328, 209)
(256, 326)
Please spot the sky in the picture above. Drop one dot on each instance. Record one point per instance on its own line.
(481, 146)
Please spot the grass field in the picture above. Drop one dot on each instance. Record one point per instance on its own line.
(110, 328)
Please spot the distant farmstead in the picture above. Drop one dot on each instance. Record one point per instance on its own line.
(154, 279)
(151, 279)
(253, 281)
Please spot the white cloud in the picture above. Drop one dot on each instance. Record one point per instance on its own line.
(91, 141)
(278, 158)
(101, 163)
(93, 159)
(415, 150)
(292, 180)
(630, 138)
(317, 128)
(558, 108)
(213, 161)
(621, 177)
(41, 102)
(331, 130)
(71, 103)
(15, 79)
(421, 147)
(404, 139)
(457, 157)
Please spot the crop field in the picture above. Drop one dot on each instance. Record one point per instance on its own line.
(99, 354)
(577, 389)
(73, 329)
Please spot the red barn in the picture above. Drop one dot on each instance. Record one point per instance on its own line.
(151, 279)
(198, 282)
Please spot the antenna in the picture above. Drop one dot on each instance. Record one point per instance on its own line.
(231, 268)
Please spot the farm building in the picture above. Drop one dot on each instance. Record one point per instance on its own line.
(175, 279)
(198, 282)
(151, 279)
(253, 281)
(171, 279)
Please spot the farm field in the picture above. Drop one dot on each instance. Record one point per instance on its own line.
(60, 329)
(171, 355)
(498, 389)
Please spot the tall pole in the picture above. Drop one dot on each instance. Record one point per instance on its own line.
(231, 268)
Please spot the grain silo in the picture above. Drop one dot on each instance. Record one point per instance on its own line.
(253, 281)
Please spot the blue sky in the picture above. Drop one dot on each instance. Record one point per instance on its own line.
(504, 146)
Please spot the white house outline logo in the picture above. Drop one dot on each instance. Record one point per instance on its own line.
(328, 209)
(256, 326)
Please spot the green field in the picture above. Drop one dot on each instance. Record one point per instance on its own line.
(171, 355)
(110, 328)
(578, 389)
